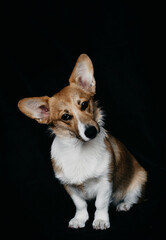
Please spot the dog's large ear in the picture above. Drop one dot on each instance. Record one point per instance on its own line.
(82, 74)
(36, 108)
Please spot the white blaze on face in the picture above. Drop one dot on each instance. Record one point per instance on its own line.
(81, 128)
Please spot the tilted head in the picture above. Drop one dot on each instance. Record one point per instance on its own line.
(72, 111)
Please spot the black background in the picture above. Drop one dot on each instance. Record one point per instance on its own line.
(41, 43)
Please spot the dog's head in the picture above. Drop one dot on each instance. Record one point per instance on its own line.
(71, 112)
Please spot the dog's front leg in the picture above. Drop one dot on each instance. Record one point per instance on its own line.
(101, 220)
(81, 215)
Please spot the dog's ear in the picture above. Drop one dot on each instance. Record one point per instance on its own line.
(36, 108)
(82, 74)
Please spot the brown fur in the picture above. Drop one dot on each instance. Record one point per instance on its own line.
(56, 168)
(75, 79)
(28, 106)
(64, 101)
(67, 99)
(79, 188)
(125, 171)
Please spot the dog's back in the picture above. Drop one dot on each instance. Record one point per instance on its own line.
(128, 176)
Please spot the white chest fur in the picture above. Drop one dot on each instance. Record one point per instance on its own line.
(80, 161)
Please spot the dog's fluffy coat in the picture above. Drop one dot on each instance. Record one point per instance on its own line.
(89, 164)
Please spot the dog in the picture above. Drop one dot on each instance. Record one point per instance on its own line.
(88, 161)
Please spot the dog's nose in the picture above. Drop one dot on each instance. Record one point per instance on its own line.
(91, 132)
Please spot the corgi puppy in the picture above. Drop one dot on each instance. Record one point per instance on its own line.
(85, 157)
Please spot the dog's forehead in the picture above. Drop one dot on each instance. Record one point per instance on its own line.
(66, 99)
(70, 94)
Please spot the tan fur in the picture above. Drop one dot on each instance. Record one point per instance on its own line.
(56, 168)
(75, 78)
(63, 102)
(67, 100)
(79, 188)
(25, 103)
(124, 171)
(67, 189)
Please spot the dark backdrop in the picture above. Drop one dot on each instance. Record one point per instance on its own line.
(42, 41)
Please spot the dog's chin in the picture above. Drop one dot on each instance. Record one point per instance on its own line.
(85, 140)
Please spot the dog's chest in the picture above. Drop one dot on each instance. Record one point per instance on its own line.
(78, 163)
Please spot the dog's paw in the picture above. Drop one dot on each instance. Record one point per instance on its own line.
(123, 206)
(76, 223)
(100, 224)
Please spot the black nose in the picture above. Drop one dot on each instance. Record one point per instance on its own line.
(91, 132)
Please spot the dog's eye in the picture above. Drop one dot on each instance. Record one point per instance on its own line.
(66, 117)
(84, 105)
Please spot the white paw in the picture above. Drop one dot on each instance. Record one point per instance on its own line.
(100, 224)
(76, 223)
(123, 206)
